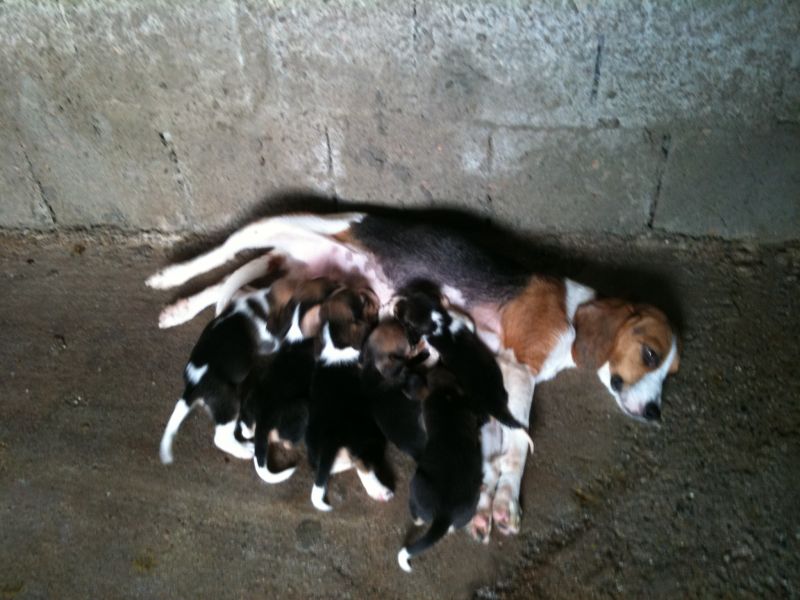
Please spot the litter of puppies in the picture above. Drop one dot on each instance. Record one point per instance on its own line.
(314, 361)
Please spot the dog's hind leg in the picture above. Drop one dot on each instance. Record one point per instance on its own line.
(182, 409)
(294, 235)
(225, 440)
(327, 457)
(373, 486)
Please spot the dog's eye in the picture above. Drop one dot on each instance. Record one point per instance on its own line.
(649, 357)
(616, 383)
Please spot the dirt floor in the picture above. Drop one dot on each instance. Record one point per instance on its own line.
(706, 505)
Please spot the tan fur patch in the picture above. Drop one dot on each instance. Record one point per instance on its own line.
(533, 321)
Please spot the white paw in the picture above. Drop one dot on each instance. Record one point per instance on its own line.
(164, 279)
(506, 514)
(480, 528)
(174, 314)
(373, 486)
(318, 499)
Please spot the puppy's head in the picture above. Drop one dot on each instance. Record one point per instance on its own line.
(422, 309)
(349, 315)
(388, 350)
(301, 314)
(633, 347)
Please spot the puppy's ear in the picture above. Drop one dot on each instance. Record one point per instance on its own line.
(370, 303)
(312, 321)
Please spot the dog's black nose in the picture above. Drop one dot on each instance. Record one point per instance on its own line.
(616, 383)
(652, 412)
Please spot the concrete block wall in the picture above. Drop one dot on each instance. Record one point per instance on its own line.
(559, 116)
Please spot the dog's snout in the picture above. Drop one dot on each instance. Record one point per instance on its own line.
(616, 383)
(652, 412)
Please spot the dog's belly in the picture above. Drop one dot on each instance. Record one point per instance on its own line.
(470, 275)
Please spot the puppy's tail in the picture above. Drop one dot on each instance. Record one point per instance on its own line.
(258, 267)
(507, 419)
(182, 409)
(436, 532)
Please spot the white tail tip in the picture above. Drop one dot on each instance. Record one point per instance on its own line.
(402, 560)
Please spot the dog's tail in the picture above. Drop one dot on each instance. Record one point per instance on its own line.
(506, 418)
(437, 531)
(258, 267)
(182, 408)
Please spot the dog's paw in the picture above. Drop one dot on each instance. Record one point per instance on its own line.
(165, 278)
(506, 514)
(373, 486)
(243, 450)
(480, 528)
(174, 314)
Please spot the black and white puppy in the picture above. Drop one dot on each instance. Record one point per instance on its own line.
(276, 393)
(420, 308)
(220, 360)
(389, 362)
(339, 414)
(446, 485)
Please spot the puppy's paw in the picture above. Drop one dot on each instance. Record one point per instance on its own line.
(506, 514)
(373, 486)
(167, 277)
(243, 450)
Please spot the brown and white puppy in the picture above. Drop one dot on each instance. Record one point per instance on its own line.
(339, 413)
(537, 325)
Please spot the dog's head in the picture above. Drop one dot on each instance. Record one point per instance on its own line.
(632, 346)
(389, 351)
(300, 317)
(422, 309)
(348, 315)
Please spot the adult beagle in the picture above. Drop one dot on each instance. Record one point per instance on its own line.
(537, 325)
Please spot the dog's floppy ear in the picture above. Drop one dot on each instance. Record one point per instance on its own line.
(597, 324)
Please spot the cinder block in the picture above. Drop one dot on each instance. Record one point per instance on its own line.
(733, 184)
(410, 161)
(573, 180)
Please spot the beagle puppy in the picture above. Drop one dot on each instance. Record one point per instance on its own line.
(275, 394)
(339, 413)
(538, 326)
(421, 310)
(389, 364)
(446, 484)
(220, 361)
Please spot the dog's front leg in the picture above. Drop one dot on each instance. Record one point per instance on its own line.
(506, 511)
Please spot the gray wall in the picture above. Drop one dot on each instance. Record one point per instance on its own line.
(681, 117)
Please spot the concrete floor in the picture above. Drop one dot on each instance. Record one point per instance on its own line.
(705, 505)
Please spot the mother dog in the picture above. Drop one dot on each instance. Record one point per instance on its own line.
(537, 325)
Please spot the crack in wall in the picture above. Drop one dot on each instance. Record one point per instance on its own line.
(180, 177)
(666, 144)
(39, 187)
(601, 40)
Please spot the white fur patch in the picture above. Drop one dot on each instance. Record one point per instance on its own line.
(402, 560)
(318, 499)
(268, 476)
(374, 487)
(331, 355)
(178, 415)
(560, 357)
(295, 334)
(577, 294)
(225, 440)
(454, 295)
(194, 374)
